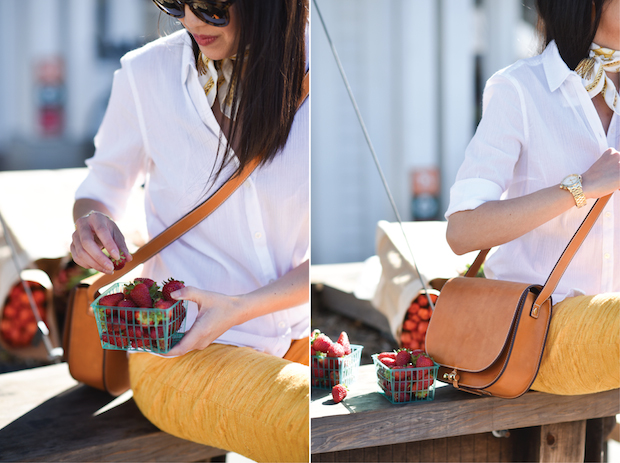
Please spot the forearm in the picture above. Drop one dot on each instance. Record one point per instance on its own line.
(290, 290)
(84, 206)
(497, 222)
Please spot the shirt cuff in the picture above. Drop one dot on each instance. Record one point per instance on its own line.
(468, 194)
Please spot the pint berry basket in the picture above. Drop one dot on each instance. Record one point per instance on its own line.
(141, 329)
(329, 371)
(406, 384)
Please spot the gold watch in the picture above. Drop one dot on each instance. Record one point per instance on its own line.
(572, 183)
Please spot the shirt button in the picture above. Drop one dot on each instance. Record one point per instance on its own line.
(271, 280)
(607, 255)
(607, 214)
(257, 235)
(281, 324)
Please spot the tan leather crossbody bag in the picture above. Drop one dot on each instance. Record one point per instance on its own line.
(488, 335)
(108, 370)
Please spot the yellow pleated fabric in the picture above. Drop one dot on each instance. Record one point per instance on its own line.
(582, 353)
(228, 397)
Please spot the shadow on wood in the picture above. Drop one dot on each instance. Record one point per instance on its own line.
(84, 424)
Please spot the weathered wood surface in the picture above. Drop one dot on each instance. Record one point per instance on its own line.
(45, 415)
(367, 419)
(563, 442)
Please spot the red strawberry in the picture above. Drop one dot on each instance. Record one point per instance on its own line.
(147, 281)
(383, 355)
(424, 361)
(403, 357)
(388, 362)
(162, 304)
(120, 262)
(171, 286)
(343, 340)
(111, 300)
(322, 343)
(336, 350)
(339, 392)
(141, 296)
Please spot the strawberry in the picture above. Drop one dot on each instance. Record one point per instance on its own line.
(322, 343)
(171, 286)
(343, 340)
(424, 361)
(339, 392)
(111, 300)
(141, 296)
(335, 350)
(383, 355)
(403, 357)
(120, 262)
(163, 304)
(147, 281)
(388, 362)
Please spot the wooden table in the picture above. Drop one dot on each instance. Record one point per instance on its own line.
(457, 426)
(45, 415)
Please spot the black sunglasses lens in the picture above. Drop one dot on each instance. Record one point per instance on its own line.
(171, 7)
(211, 13)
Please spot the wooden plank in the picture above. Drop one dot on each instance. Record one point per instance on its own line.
(79, 423)
(562, 442)
(367, 419)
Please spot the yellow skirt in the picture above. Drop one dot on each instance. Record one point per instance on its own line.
(228, 397)
(582, 353)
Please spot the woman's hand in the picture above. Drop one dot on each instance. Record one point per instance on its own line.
(94, 232)
(603, 177)
(217, 313)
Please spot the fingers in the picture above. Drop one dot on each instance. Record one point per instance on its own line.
(189, 293)
(93, 232)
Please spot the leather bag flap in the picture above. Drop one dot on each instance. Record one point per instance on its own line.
(472, 322)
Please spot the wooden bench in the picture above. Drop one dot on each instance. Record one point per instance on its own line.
(45, 415)
(457, 426)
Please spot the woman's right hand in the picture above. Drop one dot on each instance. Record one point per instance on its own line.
(603, 177)
(93, 232)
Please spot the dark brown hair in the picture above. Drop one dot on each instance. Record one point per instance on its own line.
(572, 24)
(268, 89)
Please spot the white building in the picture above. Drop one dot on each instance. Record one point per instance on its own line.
(56, 67)
(416, 68)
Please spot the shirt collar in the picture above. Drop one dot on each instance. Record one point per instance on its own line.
(188, 61)
(556, 69)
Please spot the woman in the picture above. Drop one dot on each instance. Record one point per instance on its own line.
(187, 112)
(546, 118)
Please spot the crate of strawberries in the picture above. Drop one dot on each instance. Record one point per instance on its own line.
(333, 362)
(140, 315)
(406, 375)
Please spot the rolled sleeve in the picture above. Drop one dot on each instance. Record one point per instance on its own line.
(494, 151)
(470, 193)
(119, 157)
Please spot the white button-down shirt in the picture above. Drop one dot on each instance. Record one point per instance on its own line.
(160, 129)
(538, 126)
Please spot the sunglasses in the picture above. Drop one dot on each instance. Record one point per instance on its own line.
(212, 12)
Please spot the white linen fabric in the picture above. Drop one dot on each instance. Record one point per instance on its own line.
(538, 126)
(159, 128)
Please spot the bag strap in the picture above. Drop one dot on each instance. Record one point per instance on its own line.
(190, 220)
(563, 261)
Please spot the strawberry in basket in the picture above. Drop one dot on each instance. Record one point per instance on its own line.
(405, 375)
(333, 362)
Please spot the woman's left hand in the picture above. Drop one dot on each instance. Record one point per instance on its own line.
(216, 315)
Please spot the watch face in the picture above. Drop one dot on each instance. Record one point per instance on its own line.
(571, 180)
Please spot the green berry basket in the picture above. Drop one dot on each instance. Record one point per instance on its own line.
(139, 329)
(406, 384)
(329, 371)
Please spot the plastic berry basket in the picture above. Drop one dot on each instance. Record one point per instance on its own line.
(141, 329)
(405, 385)
(329, 371)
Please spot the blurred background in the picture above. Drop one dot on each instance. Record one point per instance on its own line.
(417, 69)
(56, 70)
